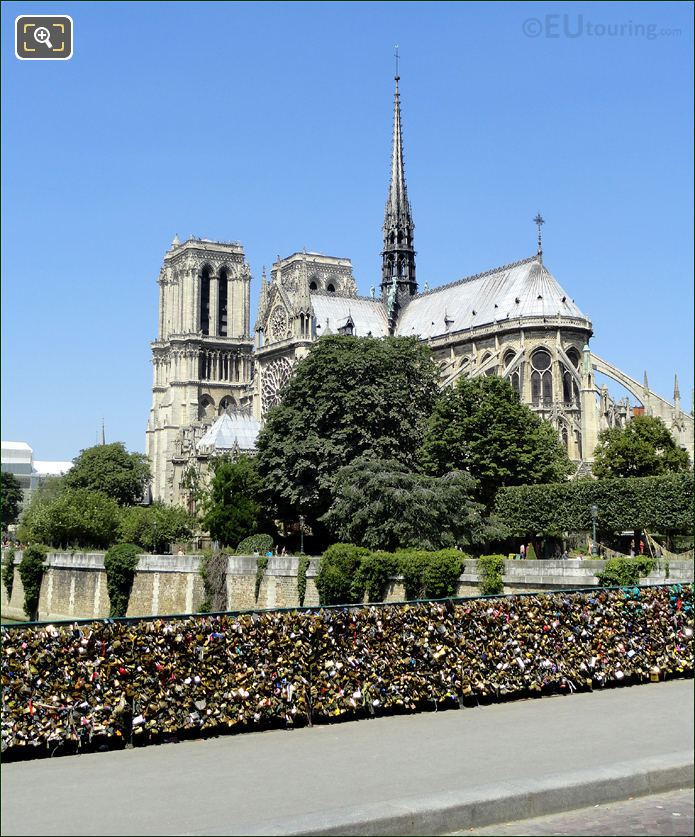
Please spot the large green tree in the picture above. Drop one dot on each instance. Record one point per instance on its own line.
(76, 517)
(350, 396)
(231, 510)
(11, 498)
(111, 470)
(383, 505)
(481, 427)
(643, 448)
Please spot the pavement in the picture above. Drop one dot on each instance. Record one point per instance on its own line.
(663, 815)
(433, 773)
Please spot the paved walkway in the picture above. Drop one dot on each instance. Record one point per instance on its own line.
(668, 814)
(430, 773)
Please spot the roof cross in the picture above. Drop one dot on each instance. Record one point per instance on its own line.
(538, 221)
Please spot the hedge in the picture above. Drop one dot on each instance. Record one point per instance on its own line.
(262, 543)
(659, 504)
(348, 572)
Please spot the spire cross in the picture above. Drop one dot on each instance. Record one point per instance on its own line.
(538, 221)
(397, 77)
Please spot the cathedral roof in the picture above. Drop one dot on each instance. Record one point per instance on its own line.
(332, 312)
(231, 431)
(520, 290)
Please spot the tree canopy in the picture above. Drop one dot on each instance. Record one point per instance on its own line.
(643, 448)
(481, 427)
(75, 517)
(11, 498)
(231, 511)
(155, 528)
(111, 470)
(349, 397)
(383, 505)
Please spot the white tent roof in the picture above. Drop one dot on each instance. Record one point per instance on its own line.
(228, 431)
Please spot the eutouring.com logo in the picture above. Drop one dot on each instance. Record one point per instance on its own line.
(43, 37)
(577, 26)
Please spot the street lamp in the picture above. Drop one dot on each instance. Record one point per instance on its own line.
(301, 534)
(594, 545)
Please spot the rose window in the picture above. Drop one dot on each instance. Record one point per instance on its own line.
(274, 377)
(278, 324)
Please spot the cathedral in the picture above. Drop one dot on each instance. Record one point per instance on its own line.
(213, 380)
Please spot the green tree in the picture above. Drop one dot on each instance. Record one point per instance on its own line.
(33, 513)
(111, 470)
(11, 498)
(231, 509)
(643, 448)
(350, 396)
(31, 570)
(481, 427)
(383, 505)
(120, 563)
(76, 517)
(154, 528)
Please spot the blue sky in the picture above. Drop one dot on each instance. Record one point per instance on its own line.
(270, 124)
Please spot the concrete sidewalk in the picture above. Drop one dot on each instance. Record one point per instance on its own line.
(421, 774)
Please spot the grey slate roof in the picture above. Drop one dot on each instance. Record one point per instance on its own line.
(227, 431)
(523, 289)
(332, 312)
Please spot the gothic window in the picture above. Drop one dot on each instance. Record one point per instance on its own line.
(227, 405)
(565, 437)
(541, 378)
(313, 286)
(509, 356)
(206, 407)
(331, 288)
(273, 379)
(515, 381)
(222, 304)
(205, 300)
(573, 355)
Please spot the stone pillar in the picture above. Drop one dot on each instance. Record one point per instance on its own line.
(196, 302)
(161, 308)
(590, 418)
(214, 305)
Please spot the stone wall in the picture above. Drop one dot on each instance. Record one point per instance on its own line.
(74, 584)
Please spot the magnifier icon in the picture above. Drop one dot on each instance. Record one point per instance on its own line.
(43, 36)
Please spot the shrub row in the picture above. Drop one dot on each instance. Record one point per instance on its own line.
(348, 573)
(659, 504)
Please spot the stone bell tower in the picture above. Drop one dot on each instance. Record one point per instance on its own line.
(203, 354)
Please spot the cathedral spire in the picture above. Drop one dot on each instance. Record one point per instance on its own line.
(676, 393)
(398, 255)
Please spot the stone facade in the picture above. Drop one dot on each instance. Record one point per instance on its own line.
(203, 355)
(515, 321)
